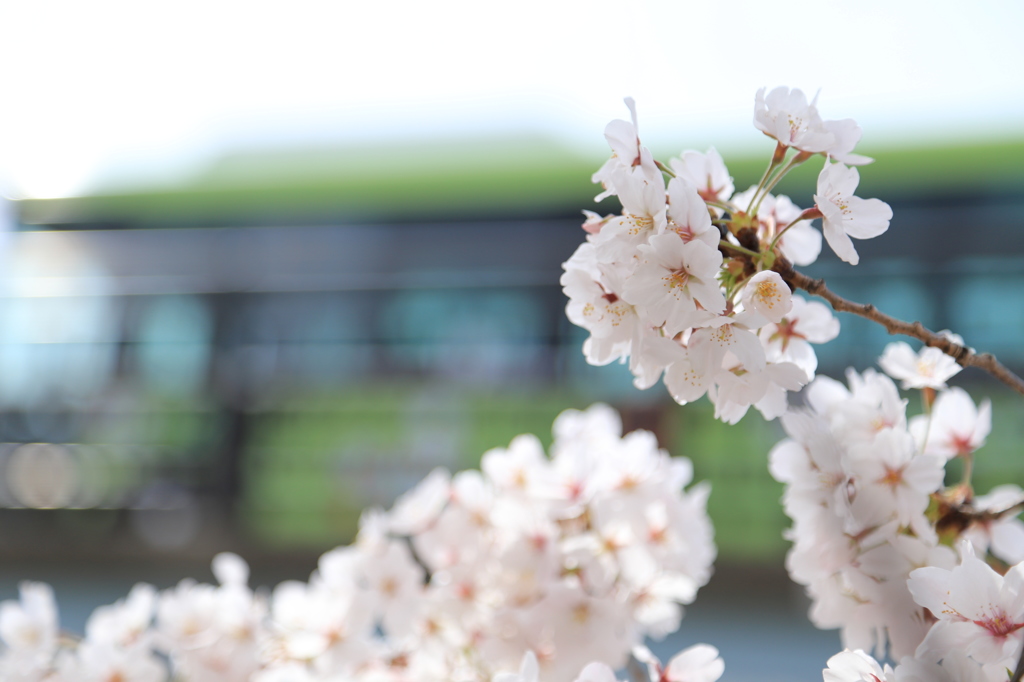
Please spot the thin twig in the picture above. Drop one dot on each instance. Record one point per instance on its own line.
(1019, 672)
(964, 356)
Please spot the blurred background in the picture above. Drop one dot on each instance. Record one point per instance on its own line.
(267, 265)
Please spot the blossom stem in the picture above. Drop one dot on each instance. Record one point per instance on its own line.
(793, 163)
(720, 204)
(777, 158)
(809, 214)
(740, 249)
(664, 169)
(928, 430)
(965, 479)
(964, 356)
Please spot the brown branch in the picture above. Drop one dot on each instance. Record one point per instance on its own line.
(964, 356)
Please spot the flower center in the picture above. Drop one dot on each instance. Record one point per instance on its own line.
(638, 223)
(785, 331)
(724, 334)
(962, 444)
(796, 124)
(925, 368)
(999, 624)
(892, 478)
(767, 291)
(678, 279)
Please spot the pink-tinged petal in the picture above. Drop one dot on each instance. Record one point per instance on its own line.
(972, 586)
(745, 346)
(986, 648)
(774, 403)
(702, 351)
(685, 383)
(622, 138)
(686, 208)
(597, 672)
(871, 218)
(847, 134)
(787, 461)
(709, 294)
(946, 636)
(1012, 596)
(700, 259)
(853, 666)
(788, 375)
(651, 354)
(706, 172)
(1008, 541)
(983, 426)
(416, 509)
(814, 321)
(631, 105)
(840, 242)
(841, 179)
(698, 663)
(925, 472)
(801, 244)
(640, 194)
(768, 295)
(603, 351)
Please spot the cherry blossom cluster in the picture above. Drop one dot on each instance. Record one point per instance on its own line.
(681, 284)
(570, 559)
(698, 663)
(874, 527)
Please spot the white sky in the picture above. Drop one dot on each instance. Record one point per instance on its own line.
(147, 89)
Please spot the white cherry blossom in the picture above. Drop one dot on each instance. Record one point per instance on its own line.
(104, 663)
(644, 215)
(768, 295)
(893, 479)
(612, 321)
(685, 383)
(928, 368)
(785, 115)
(418, 508)
(623, 137)
(955, 427)
(688, 214)
(790, 339)
(725, 338)
(674, 277)
(845, 215)
(594, 221)
(627, 153)
(705, 172)
(29, 626)
(125, 623)
(847, 134)
(597, 672)
(698, 663)
(1002, 536)
(528, 671)
(856, 666)
(765, 388)
(979, 611)
(651, 354)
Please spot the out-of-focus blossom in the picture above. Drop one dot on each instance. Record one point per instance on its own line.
(928, 368)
